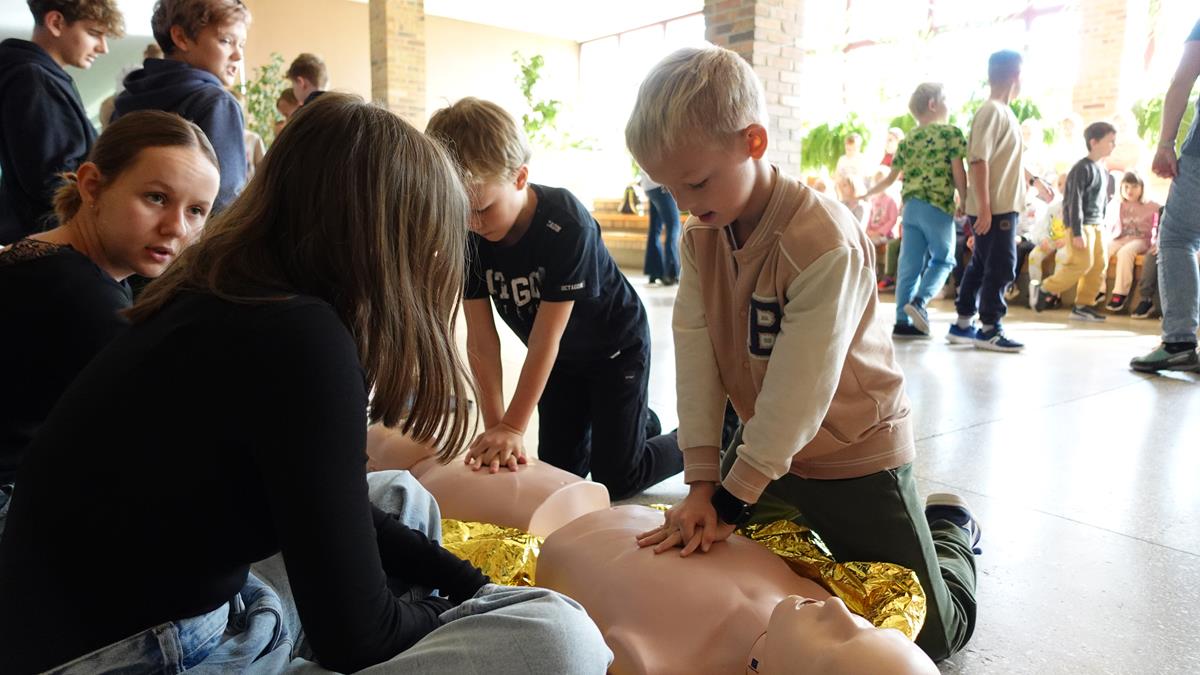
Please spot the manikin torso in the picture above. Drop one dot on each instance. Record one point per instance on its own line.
(537, 498)
(708, 613)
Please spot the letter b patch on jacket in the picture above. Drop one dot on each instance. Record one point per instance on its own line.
(766, 315)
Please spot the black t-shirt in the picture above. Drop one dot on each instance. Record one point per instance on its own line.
(209, 437)
(559, 258)
(58, 310)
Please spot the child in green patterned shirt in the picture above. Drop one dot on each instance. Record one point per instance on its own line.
(931, 159)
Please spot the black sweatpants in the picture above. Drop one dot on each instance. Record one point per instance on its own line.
(992, 268)
(593, 417)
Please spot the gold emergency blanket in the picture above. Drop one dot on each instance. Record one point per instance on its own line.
(887, 595)
(507, 556)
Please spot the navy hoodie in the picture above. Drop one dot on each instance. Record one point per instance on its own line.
(197, 96)
(44, 131)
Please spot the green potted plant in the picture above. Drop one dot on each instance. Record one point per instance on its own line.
(259, 93)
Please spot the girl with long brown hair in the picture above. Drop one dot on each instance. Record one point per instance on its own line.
(228, 425)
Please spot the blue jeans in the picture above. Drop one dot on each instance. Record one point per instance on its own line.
(1178, 241)
(926, 254)
(662, 261)
(499, 630)
(992, 268)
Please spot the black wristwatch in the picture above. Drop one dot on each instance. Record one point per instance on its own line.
(730, 509)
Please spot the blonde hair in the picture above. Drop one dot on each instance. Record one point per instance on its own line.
(694, 95)
(483, 138)
(119, 147)
(382, 239)
(923, 95)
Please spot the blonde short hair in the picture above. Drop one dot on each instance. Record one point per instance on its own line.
(483, 138)
(925, 93)
(694, 95)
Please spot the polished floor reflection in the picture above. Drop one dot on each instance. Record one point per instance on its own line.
(1085, 476)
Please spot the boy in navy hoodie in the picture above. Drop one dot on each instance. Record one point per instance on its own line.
(202, 42)
(44, 128)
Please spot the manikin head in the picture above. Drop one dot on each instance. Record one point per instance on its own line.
(823, 637)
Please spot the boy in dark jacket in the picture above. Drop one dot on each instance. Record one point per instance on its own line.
(202, 43)
(44, 128)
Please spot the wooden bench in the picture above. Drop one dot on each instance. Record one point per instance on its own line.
(625, 235)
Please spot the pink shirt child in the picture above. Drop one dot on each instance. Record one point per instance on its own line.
(884, 214)
(1139, 220)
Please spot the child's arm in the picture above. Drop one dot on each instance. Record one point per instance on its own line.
(959, 170)
(979, 183)
(483, 355)
(1077, 185)
(881, 185)
(502, 444)
(700, 397)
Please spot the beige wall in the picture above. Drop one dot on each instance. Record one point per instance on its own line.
(470, 59)
(335, 30)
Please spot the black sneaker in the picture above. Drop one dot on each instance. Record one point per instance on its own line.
(1099, 298)
(1144, 309)
(1117, 303)
(669, 281)
(1044, 299)
(919, 315)
(1161, 359)
(955, 510)
(903, 331)
(1081, 313)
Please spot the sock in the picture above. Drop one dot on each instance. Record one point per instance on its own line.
(986, 327)
(1178, 347)
(964, 322)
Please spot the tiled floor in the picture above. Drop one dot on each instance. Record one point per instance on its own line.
(1085, 475)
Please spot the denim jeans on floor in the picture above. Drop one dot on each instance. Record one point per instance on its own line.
(500, 630)
(1178, 241)
(926, 254)
(992, 268)
(662, 261)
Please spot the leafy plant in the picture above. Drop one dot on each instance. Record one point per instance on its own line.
(1149, 114)
(905, 123)
(260, 93)
(823, 145)
(540, 123)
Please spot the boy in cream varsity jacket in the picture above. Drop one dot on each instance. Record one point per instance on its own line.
(777, 311)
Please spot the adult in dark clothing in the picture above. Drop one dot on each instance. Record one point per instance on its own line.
(141, 197)
(228, 424)
(203, 42)
(44, 128)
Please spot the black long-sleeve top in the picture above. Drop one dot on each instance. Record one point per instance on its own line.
(209, 437)
(1085, 196)
(57, 309)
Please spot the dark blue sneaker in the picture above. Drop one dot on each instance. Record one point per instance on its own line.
(962, 336)
(954, 509)
(919, 315)
(994, 340)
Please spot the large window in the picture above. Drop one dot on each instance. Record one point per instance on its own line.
(610, 71)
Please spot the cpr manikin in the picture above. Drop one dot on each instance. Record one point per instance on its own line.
(537, 498)
(710, 613)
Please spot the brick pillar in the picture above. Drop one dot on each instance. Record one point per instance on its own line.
(1112, 47)
(398, 57)
(766, 33)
